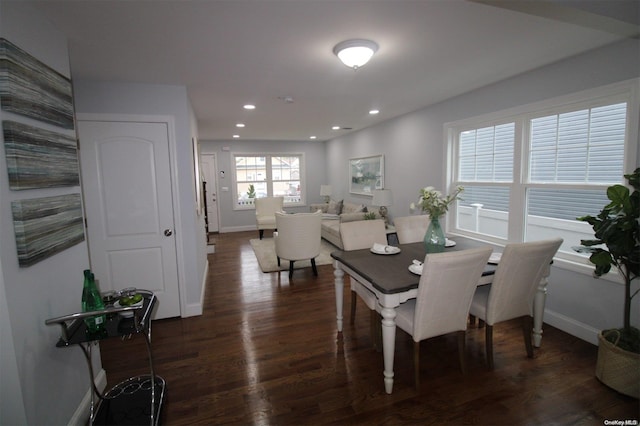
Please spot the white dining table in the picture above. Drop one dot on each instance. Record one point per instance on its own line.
(389, 278)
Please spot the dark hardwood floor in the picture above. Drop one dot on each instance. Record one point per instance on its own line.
(266, 352)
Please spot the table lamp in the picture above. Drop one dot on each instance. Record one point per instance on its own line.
(382, 198)
(325, 191)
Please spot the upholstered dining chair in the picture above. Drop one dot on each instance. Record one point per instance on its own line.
(357, 235)
(266, 207)
(298, 238)
(445, 291)
(411, 229)
(512, 292)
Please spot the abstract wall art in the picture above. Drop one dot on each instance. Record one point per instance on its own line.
(46, 226)
(38, 158)
(32, 89)
(366, 174)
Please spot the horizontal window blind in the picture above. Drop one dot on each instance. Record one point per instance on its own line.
(585, 146)
(491, 197)
(565, 204)
(486, 155)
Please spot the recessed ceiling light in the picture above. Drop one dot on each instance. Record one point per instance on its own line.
(236, 136)
(249, 106)
(374, 111)
(312, 137)
(335, 128)
(240, 125)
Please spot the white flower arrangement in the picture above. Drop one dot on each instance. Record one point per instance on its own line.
(432, 201)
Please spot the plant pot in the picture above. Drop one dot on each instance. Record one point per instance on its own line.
(617, 368)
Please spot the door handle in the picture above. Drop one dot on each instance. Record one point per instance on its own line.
(168, 232)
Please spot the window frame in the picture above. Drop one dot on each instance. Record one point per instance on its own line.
(269, 177)
(627, 91)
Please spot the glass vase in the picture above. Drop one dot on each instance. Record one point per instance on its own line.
(434, 239)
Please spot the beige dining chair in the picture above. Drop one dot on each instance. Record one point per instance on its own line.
(298, 238)
(357, 235)
(512, 291)
(411, 229)
(266, 207)
(446, 288)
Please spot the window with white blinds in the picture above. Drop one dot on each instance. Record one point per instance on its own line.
(530, 176)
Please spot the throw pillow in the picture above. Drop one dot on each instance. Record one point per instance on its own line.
(353, 208)
(335, 207)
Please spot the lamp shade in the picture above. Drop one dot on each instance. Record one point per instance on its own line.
(382, 197)
(325, 190)
(355, 53)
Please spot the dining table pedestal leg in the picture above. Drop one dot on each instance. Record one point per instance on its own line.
(339, 285)
(388, 345)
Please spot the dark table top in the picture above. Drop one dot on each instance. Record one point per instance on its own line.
(390, 273)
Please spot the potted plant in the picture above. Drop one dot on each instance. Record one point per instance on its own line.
(251, 193)
(617, 227)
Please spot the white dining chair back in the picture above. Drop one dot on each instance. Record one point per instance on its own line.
(298, 237)
(362, 234)
(411, 229)
(446, 288)
(266, 208)
(512, 291)
(358, 235)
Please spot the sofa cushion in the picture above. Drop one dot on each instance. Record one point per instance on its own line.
(351, 217)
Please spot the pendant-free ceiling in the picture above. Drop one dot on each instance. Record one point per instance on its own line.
(355, 53)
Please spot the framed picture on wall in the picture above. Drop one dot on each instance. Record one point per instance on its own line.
(366, 174)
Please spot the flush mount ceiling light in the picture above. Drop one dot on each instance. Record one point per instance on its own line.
(355, 53)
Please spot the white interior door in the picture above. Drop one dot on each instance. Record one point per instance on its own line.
(126, 180)
(208, 164)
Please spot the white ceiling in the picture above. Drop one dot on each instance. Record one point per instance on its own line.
(229, 53)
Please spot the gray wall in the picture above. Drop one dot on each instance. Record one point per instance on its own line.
(39, 383)
(241, 220)
(94, 97)
(414, 144)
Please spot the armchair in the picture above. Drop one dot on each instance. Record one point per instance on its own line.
(298, 238)
(266, 207)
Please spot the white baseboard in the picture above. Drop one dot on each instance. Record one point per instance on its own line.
(81, 415)
(239, 229)
(571, 326)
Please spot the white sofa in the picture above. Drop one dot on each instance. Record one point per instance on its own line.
(334, 213)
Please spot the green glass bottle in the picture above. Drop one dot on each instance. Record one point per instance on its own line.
(92, 301)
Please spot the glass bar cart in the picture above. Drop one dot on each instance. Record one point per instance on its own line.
(137, 400)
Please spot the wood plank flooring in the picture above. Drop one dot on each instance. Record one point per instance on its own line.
(266, 352)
